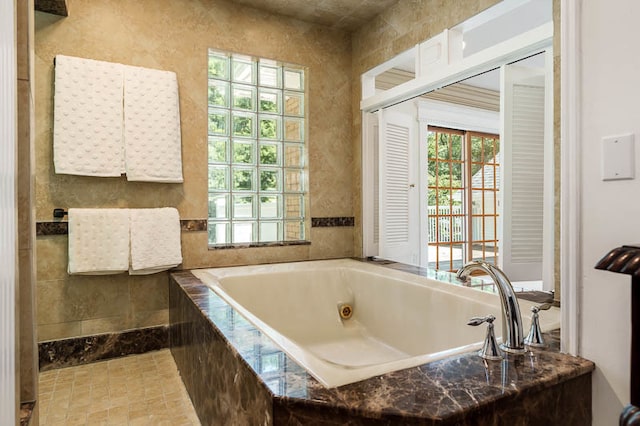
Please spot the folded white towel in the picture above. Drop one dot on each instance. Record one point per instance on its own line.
(88, 113)
(155, 240)
(152, 125)
(98, 241)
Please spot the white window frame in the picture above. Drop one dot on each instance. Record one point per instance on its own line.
(256, 192)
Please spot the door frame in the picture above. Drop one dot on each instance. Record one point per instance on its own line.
(10, 381)
(571, 171)
(443, 114)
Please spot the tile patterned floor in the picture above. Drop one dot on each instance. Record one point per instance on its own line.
(135, 390)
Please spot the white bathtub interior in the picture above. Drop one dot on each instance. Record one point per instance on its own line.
(400, 320)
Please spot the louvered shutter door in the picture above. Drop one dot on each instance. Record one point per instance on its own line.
(523, 148)
(398, 231)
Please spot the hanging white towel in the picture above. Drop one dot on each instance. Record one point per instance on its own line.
(155, 240)
(152, 125)
(98, 241)
(88, 112)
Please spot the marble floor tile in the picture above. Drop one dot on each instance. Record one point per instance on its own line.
(136, 390)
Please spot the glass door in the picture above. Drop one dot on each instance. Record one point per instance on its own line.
(462, 208)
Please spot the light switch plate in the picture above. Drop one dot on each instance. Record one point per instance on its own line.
(618, 157)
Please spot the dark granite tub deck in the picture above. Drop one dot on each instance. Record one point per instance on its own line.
(236, 375)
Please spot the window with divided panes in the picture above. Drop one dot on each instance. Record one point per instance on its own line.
(257, 188)
(463, 195)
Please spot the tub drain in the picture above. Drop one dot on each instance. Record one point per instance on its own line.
(346, 311)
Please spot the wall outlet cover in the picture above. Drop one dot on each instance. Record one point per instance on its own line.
(618, 157)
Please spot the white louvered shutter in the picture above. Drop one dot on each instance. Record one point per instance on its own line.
(523, 162)
(398, 227)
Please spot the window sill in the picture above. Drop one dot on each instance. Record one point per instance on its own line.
(253, 245)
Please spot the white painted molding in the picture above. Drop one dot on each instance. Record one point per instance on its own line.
(571, 187)
(528, 43)
(369, 244)
(8, 209)
(443, 114)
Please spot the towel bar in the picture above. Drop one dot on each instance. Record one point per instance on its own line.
(59, 213)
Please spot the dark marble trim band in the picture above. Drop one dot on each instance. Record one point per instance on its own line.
(199, 225)
(26, 412)
(52, 228)
(193, 225)
(84, 350)
(62, 228)
(326, 222)
(55, 7)
(269, 244)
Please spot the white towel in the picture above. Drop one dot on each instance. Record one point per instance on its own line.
(88, 111)
(152, 125)
(155, 240)
(98, 241)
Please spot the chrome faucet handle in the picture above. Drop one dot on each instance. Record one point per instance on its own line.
(534, 338)
(490, 349)
(480, 320)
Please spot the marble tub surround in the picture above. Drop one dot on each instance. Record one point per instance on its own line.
(521, 292)
(84, 350)
(254, 380)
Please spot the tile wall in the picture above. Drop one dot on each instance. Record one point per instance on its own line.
(175, 36)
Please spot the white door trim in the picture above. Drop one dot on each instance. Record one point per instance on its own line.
(369, 175)
(8, 208)
(571, 185)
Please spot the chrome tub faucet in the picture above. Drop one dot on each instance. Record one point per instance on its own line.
(512, 335)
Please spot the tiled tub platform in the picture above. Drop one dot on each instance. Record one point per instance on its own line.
(236, 375)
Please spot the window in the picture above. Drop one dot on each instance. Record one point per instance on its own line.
(257, 150)
(464, 178)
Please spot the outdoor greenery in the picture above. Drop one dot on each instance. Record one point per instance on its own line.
(217, 123)
(243, 153)
(268, 128)
(218, 95)
(246, 126)
(242, 99)
(218, 150)
(446, 161)
(242, 126)
(268, 154)
(268, 105)
(218, 67)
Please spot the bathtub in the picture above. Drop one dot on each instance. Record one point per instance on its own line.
(398, 319)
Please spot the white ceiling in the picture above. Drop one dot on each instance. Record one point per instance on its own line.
(340, 14)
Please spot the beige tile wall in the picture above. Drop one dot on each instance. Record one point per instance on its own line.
(172, 35)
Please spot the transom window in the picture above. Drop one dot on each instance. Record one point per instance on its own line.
(257, 150)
